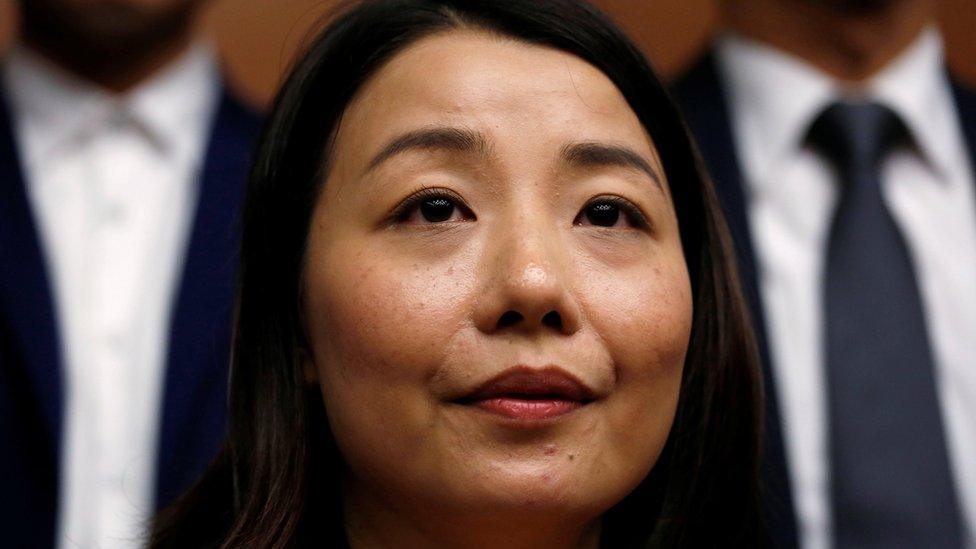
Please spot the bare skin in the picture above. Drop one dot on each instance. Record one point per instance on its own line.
(850, 40)
(473, 247)
(116, 44)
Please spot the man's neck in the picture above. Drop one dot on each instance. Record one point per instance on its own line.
(850, 46)
(117, 73)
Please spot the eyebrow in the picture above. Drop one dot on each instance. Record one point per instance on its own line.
(593, 154)
(585, 154)
(439, 138)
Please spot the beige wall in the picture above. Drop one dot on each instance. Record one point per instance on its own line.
(259, 37)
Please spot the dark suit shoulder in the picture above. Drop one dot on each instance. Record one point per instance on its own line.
(965, 96)
(244, 116)
(696, 76)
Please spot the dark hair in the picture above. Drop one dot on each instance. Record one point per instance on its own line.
(277, 481)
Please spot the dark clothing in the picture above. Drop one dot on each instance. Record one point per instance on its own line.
(701, 95)
(31, 362)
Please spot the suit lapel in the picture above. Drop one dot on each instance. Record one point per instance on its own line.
(194, 410)
(702, 97)
(966, 106)
(26, 302)
(31, 390)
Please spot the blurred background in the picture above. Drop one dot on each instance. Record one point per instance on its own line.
(258, 38)
(108, 412)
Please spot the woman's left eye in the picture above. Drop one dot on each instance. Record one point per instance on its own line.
(610, 211)
(436, 210)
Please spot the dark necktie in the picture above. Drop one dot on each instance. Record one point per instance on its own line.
(890, 479)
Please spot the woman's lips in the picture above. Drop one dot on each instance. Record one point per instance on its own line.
(526, 394)
(527, 410)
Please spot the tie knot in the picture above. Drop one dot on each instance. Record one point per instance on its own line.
(856, 134)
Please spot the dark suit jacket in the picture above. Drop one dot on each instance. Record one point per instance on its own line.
(701, 94)
(31, 368)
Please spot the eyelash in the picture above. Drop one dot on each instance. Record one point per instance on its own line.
(634, 215)
(405, 209)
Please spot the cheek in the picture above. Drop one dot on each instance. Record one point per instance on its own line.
(644, 318)
(379, 325)
(378, 314)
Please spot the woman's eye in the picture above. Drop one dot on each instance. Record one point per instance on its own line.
(431, 206)
(602, 214)
(436, 210)
(611, 212)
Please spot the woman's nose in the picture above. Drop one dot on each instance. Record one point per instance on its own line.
(528, 287)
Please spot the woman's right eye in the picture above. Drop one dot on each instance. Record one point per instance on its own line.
(436, 210)
(432, 206)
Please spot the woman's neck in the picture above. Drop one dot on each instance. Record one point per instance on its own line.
(372, 524)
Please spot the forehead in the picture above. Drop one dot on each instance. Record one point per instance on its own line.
(507, 89)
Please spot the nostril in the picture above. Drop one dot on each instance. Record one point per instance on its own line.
(553, 320)
(510, 318)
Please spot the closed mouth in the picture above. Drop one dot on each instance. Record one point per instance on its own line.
(526, 394)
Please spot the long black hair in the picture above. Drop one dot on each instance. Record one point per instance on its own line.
(277, 481)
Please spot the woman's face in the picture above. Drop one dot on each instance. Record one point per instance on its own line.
(497, 302)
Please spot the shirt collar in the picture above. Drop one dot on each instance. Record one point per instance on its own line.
(916, 87)
(49, 105)
(176, 99)
(778, 95)
(775, 97)
(53, 106)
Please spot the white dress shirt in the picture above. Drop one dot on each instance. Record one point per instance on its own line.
(112, 182)
(774, 97)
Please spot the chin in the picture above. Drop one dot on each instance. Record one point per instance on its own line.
(557, 486)
(857, 7)
(116, 27)
(535, 498)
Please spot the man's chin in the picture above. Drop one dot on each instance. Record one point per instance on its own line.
(857, 7)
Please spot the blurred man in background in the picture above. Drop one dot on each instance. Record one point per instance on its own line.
(843, 153)
(122, 163)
